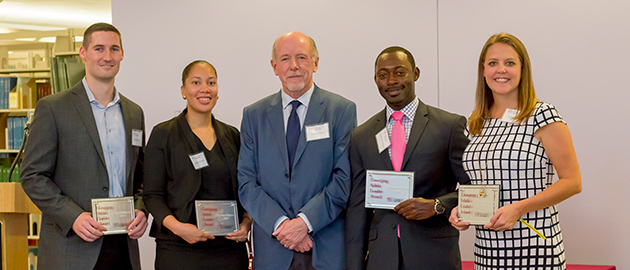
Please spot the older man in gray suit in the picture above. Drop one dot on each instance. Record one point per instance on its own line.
(86, 142)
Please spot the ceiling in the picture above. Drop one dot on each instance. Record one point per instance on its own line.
(31, 20)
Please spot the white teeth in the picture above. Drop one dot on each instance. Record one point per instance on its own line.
(501, 79)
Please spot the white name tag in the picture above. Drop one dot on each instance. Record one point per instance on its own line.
(198, 160)
(382, 140)
(509, 115)
(136, 137)
(317, 132)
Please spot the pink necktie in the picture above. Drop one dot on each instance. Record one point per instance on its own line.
(398, 141)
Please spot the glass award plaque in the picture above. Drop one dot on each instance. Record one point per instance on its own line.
(386, 189)
(478, 203)
(218, 218)
(113, 213)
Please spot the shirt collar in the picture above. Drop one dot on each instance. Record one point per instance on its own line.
(91, 96)
(304, 99)
(409, 110)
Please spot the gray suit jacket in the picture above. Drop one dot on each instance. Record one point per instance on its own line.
(64, 168)
(318, 187)
(434, 152)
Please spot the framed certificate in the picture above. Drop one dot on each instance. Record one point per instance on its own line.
(217, 218)
(478, 203)
(113, 213)
(386, 189)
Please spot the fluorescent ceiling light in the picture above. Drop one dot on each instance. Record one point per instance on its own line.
(48, 39)
(30, 27)
(60, 17)
(25, 39)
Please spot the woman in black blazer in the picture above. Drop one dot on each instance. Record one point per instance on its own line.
(173, 183)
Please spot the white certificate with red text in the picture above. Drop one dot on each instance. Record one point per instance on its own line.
(114, 213)
(386, 189)
(477, 203)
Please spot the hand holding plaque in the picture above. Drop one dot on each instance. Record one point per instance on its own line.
(386, 189)
(477, 203)
(113, 213)
(217, 218)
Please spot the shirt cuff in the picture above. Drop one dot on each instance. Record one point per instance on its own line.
(308, 223)
(278, 222)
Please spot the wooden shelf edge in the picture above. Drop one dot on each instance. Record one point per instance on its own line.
(27, 70)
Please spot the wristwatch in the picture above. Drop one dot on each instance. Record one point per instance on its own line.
(438, 207)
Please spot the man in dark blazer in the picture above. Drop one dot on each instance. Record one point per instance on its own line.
(296, 203)
(416, 234)
(85, 143)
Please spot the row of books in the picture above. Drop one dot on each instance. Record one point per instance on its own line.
(4, 172)
(15, 131)
(7, 84)
(43, 89)
(65, 72)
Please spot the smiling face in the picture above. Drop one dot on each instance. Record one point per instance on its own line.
(294, 63)
(395, 79)
(201, 89)
(502, 70)
(102, 56)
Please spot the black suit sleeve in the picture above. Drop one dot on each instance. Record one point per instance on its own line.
(357, 216)
(457, 145)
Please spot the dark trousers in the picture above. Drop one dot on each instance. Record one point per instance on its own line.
(114, 253)
(302, 261)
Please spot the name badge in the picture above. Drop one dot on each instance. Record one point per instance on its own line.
(509, 115)
(136, 137)
(198, 160)
(382, 140)
(317, 132)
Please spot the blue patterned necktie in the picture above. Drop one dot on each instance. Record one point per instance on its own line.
(293, 132)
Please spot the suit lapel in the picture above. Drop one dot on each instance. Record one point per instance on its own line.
(316, 108)
(381, 123)
(276, 121)
(224, 142)
(125, 108)
(419, 124)
(186, 132)
(82, 104)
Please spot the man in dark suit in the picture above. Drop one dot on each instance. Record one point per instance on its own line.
(416, 234)
(293, 169)
(86, 142)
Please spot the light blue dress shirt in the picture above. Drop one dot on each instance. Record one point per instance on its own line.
(111, 131)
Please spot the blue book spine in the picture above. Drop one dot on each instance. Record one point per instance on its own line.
(21, 131)
(2, 86)
(10, 132)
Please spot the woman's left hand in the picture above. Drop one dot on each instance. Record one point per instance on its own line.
(242, 234)
(504, 219)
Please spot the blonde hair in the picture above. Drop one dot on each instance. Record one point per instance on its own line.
(483, 96)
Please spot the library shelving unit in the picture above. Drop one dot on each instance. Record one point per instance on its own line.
(15, 206)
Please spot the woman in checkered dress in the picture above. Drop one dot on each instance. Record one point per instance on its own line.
(516, 141)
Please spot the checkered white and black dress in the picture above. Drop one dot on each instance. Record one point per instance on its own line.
(509, 155)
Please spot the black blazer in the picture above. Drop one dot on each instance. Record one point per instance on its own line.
(171, 180)
(434, 152)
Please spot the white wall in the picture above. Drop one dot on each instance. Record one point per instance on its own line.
(576, 49)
